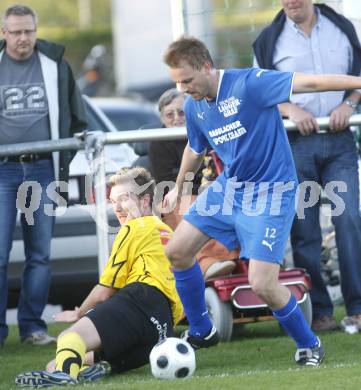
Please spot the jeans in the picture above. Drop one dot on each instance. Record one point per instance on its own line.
(323, 158)
(37, 235)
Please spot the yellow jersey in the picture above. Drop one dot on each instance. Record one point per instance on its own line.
(138, 256)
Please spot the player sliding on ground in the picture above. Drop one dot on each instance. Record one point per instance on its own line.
(252, 204)
(135, 304)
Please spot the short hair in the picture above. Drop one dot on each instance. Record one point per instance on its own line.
(168, 96)
(138, 176)
(19, 10)
(188, 49)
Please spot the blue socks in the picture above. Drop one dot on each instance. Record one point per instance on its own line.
(293, 322)
(190, 286)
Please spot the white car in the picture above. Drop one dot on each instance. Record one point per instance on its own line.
(117, 156)
(74, 246)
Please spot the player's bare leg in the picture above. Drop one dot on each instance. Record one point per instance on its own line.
(185, 242)
(263, 278)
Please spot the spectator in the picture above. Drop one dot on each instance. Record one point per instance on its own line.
(134, 306)
(165, 158)
(313, 38)
(38, 101)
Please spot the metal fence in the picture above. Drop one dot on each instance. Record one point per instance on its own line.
(93, 143)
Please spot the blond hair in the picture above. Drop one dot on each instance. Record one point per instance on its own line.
(138, 176)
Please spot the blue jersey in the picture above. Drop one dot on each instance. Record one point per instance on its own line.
(243, 125)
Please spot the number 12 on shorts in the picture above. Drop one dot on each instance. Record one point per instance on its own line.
(270, 232)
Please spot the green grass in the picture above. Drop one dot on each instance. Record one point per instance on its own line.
(260, 356)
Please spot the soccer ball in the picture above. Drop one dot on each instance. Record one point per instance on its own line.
(172, 358)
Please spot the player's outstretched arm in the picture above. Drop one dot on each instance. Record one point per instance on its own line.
(97, 295)
(328, 82)
(191, 162)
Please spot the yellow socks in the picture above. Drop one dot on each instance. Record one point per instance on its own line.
(70, 354)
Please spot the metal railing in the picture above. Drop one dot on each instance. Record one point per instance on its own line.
(93, 143)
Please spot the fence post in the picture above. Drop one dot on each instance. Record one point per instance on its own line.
(98, 171)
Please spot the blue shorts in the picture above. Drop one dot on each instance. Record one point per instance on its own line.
(260, 229)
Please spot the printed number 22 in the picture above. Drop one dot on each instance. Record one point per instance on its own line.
(15, 98)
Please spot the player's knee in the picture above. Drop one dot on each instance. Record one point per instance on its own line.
(260, 287)
(171, 253)
(178, 259)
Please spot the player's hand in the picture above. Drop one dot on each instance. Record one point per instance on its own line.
(67, 316)
(305, 122)
(170, 201)
(339, 118)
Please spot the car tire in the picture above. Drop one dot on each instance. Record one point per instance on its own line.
(220, 313)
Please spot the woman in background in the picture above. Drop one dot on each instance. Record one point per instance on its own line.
(165, 158)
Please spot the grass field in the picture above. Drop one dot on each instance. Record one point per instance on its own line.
(260, 357)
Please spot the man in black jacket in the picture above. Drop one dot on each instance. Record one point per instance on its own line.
(313, 38)
(39, 101)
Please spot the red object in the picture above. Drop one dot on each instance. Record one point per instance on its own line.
(236, 288)
(218, 164)
(92, 197)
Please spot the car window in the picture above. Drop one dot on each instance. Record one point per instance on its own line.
(132, 120)
(94, 121)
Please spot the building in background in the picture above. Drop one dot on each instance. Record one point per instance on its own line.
(142, 31)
